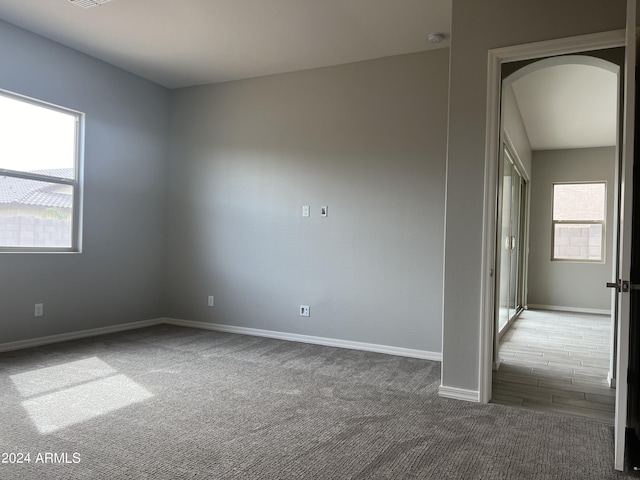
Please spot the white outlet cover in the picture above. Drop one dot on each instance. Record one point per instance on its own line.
(305, 210)
(304, 310)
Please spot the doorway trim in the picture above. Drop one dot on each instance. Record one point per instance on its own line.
(496, 57)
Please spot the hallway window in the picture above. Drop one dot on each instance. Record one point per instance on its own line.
(579, 211)
(39, 175)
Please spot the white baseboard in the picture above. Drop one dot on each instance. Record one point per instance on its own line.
(558, 308)
(295, 337)
(329, 342)
(64, 337)
(459, 394)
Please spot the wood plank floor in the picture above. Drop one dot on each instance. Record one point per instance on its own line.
(558, 362)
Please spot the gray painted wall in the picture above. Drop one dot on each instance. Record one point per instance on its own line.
(118, 277)
(568, 284)
(366, 139)
(476, 28)
(513, 125)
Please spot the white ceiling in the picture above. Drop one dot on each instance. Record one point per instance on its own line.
(568, 106)
(179, 43)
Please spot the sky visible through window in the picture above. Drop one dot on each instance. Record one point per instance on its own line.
(52, 148)
(579, 201)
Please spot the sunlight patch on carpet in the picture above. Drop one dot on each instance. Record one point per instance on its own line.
(74, 392)
(77, 404)
(35, 382)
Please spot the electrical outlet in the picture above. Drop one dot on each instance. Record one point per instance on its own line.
(305, 210)
(39, 310)
(210, 301)
(324, 211)
(304, 310)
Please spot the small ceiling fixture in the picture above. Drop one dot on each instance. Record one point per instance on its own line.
(88, 3)
(436, 37)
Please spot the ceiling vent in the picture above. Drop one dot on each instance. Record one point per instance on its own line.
(88, 3)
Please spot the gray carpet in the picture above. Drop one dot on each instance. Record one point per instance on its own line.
(176, 403)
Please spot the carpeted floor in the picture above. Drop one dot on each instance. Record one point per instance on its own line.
(176, 403)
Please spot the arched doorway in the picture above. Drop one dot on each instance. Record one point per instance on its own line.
(559, 134)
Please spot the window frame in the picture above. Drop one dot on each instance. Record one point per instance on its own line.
(75, 183)
(579, 222)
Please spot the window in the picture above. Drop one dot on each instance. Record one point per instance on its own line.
(39, 175)
(579, 211)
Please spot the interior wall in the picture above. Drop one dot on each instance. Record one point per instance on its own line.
(367, 140)
(513, 125)
(576, 285)
(118, 277)
(476, 28)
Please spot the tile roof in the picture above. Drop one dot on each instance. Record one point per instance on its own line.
(33, 193)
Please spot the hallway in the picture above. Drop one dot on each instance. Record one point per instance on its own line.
(557, 362)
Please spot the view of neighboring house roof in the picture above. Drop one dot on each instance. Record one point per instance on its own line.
(33, 193)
